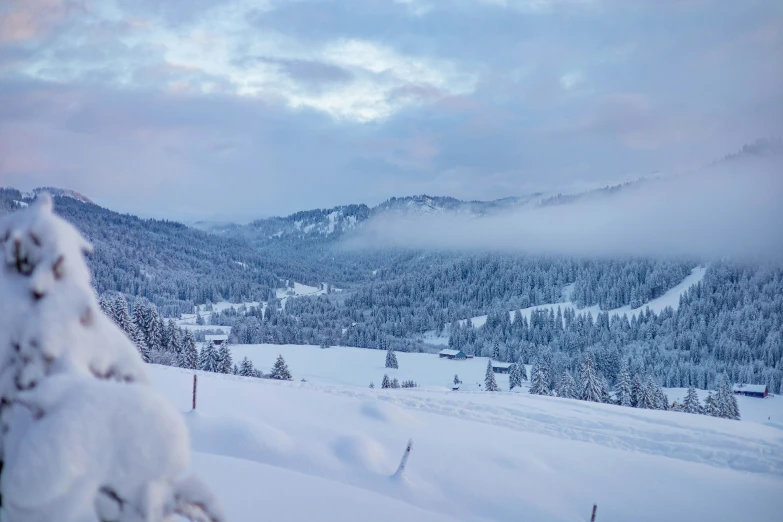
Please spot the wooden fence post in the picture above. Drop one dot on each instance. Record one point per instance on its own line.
(194, 391)
(595, 507)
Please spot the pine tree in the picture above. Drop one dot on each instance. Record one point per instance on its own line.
(710, 405)
(539, 384)
(391, 358)
(522, 369)
(121, 316)
(394, 383)
(590, 387)
(372, 384)
(141, 345)
(174, 337)
(496, 350)
(691, 404)
(224, 356)
(725, 400)
(515, 377)
(385, 383)
(456, 379)
(188, 357)
(623, 388)
(566, 387)
(280, 370)
(246, 368)
(637, 391)
(489, 379)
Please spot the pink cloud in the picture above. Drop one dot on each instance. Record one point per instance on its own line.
(25, 20)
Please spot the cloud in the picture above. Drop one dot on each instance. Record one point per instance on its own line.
(730, 210)
(342, 102)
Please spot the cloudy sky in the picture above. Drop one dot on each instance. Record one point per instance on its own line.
(235, 109)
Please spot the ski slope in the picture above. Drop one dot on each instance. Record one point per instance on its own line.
(325, 449)
(671, 298)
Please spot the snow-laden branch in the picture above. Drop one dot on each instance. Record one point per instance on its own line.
(83, 437)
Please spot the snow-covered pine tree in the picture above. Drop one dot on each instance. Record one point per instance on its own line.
(246, 368)
(280, 370)
(711, 406)
(372, 385)
(515, 377)
(391, 358)
(539, 383)
(496, 350)
(456, 379)
(121, 316)
(637, 392)
(566, 386)
(141, 345)
(154, 329)
(691, 403)
(590, 386)
(606, 397)
(189, 355)
(623, 389)
(209, 358)
(75, 371)
(522, 369)
(661, 400)
(385, 383)
(489, 379)
(226, 361)
(725, 400)
(395, 383)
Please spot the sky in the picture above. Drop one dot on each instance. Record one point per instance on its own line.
(238, 109)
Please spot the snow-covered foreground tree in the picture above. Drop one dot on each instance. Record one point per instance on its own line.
(83, 436)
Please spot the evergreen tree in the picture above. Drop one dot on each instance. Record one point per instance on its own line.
(246, 368)
(391, 358)
(235, 370)
(606, 397)
(174, 338)
(489, 379)
(539, 384)
(226, 361)
(456, 379)
(623, 388)
(711, 406)
(372, 385)
(522, 369)
(121, 316)
(496, 350)
(590, 387)
(209, 358)
(691, 404)
(141, 345)
(280, 370)
(394, 383)
(725, 400)
(188, 357)
(515, 377)
(566, 386)
(385, 383)
(637, 392)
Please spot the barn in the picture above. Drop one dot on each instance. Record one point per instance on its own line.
(752, 390)
(216, 339)
(452, 354)
(501, 367)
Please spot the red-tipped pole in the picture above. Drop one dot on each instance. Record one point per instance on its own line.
(194, 391)
(595, 507)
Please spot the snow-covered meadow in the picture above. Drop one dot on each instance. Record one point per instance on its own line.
(325, 449)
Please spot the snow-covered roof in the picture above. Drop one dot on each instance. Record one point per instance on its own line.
(216, 337)
(754, 388)
(501, 364)
(449, 352)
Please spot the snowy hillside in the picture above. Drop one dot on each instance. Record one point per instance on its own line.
(264, 446)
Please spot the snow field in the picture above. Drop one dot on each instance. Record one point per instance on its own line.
(477, 456)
